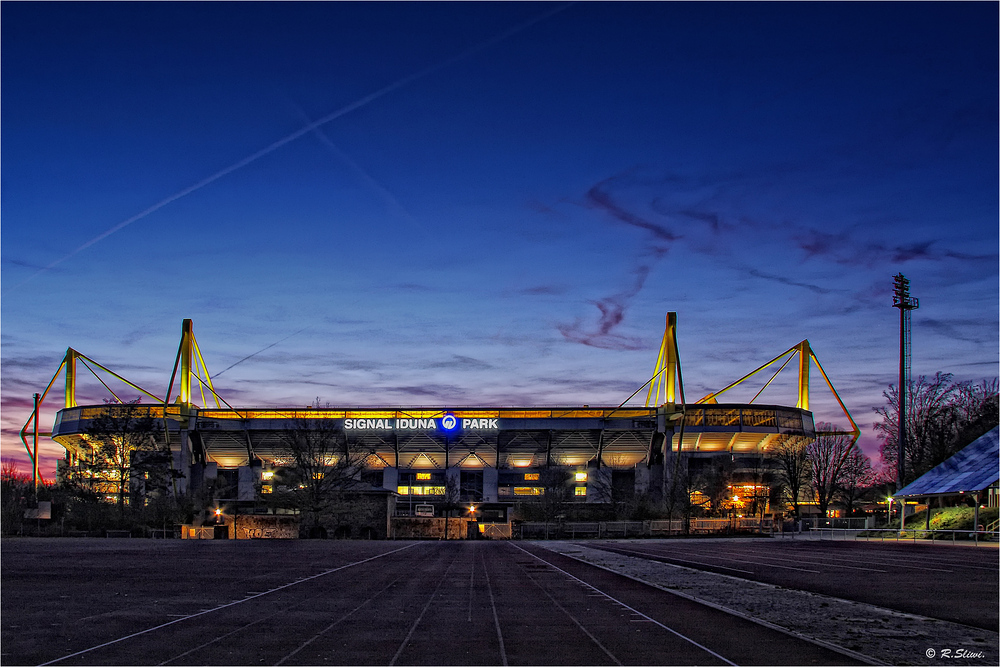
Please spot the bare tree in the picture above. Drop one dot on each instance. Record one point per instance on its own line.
(451, 502)
(555, 490)
(124, 450)
(793, 470)
(857, 476)
(762, 479)
(318, 464)
(942, 417)
(827, 454)
(713, 481)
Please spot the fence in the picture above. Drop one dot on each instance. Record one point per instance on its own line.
(850, 523)
(618, 529)
(496, 531)
(945, 536)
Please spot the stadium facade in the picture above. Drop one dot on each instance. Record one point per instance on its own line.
(495, 456)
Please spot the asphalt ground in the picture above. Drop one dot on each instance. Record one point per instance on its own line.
(142, 602)
(952, 583)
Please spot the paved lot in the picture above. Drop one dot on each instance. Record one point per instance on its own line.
(951, 583)
(138, 602)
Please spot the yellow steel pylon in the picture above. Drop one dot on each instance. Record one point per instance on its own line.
(663, 386)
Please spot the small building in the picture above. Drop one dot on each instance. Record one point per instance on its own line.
(973, 472)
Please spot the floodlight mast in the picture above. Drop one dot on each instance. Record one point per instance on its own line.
(901, 299)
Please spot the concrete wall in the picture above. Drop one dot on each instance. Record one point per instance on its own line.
(260, 526)
(432, 528)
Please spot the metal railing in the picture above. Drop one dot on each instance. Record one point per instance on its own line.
(938, 535)
(653, 528)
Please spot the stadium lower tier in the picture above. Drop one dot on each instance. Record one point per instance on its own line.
(491, 455)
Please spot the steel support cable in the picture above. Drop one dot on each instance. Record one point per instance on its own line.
(772, 378)
(166, 402)
(750, 374)
(41, 398)
(85, 359)
(856, 432)
(204, 367)
(654, 388)
(110, 390)
(680, 436)
(243, 420)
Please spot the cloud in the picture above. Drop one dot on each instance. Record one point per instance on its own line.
(18, 403)
(544, 290)
(460, 362)
(413, 287)
(847, 250)
(39, 362)
(544, 209)
(598, 197)
(442, 392)
(613, 308)
(787, 281)
(612, 313)
(949, 329)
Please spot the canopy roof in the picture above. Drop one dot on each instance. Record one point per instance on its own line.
(975, 468)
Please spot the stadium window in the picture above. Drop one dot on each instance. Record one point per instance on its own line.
(265, 488)
(581, 476)
(528, 490)
(423, 475)
(531, 477)
(433, 490)
(580, 491)
(403, 490)
(504, 490)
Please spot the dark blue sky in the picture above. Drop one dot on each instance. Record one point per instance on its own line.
(495, 203)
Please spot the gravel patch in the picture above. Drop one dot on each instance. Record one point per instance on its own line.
(882, 635)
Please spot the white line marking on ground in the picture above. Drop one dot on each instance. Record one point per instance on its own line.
(636, 611)
(223, 606)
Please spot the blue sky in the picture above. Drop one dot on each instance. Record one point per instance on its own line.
(434, 204)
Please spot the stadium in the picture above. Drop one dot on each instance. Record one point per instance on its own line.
(494, 456)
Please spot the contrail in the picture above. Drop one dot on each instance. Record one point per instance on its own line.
(259, 351)
(390, 199)
(367, 99)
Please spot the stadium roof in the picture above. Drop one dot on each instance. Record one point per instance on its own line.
(975, 468)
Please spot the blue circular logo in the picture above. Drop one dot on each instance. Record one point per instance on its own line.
(448, 422)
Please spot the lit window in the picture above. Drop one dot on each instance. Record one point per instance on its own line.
(531, 477)
(528, 491)
(318, 475)
(433, 490)
(581, 477)
(580, 491)
(267, 474)
(423, 475)
(504, 490)
(265, 488)
(403, 490)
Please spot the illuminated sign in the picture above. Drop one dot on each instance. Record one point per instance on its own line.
(447, 422)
